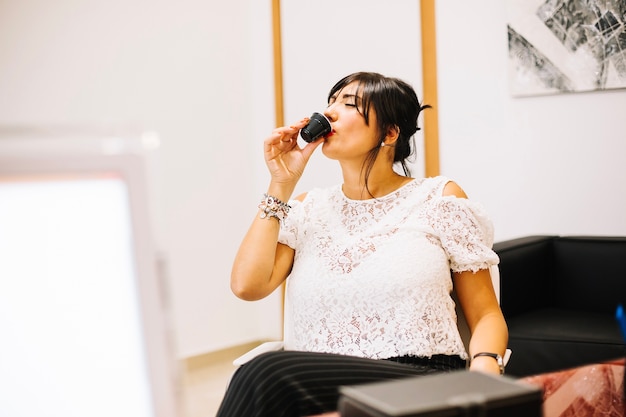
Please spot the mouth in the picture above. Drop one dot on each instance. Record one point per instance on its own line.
(332, 132)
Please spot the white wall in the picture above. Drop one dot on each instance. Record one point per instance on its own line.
(200, 74)
(548, 164)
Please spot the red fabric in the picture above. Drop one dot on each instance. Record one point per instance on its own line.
(587, 391)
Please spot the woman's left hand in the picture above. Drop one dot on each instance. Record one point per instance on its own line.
(485, 364)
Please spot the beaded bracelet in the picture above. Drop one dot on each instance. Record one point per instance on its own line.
(273, 207)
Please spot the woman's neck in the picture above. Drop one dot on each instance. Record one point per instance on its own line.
(379, 183)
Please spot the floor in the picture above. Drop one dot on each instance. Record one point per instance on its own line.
(205, 380)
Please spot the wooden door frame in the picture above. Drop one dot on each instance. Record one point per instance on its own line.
(429, 80)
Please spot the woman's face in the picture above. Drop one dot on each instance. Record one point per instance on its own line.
(351, 137)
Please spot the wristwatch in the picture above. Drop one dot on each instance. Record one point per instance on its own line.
(497, 357)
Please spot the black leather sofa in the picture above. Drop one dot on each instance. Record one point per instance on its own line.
(559, 295)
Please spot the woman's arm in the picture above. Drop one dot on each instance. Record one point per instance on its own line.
(261, 263)
(484, 318)
(481, 309)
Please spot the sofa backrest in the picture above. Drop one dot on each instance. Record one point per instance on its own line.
(590, 273)
(584, 273)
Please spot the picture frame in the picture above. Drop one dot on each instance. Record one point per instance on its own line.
(565, 46)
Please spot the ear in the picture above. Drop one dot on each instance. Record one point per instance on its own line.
(392, 135)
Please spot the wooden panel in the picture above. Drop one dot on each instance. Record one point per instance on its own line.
(429, 74)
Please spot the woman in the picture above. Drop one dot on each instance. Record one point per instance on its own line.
(367, 263)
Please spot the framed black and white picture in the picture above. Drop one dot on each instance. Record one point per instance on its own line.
(562, 46)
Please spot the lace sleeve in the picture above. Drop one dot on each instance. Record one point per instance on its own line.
(289, 227)
(466, 233)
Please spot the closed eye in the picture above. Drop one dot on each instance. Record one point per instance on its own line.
(348, 100)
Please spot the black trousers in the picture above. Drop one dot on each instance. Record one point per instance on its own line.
(293, 384)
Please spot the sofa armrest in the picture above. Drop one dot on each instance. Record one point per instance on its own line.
(526, 271)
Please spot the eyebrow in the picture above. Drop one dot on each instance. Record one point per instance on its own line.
(347, 96)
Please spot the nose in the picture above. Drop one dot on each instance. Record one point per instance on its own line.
(330, 113)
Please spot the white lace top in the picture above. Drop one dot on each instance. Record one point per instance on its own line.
(371, 278)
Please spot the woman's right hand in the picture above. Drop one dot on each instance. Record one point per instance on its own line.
(284, 158)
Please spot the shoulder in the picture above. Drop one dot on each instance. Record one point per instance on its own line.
(453, 189)
(442, 186)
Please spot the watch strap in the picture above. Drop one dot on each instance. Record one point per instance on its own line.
(496, 356)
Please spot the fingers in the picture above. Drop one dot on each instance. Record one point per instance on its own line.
(301, 123)
(285, 137)
(281, 140)
(285, 159)
(310, 147)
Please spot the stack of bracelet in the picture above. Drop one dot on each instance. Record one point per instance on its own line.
(273, 207)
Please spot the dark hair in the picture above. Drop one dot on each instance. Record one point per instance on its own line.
(395, 104)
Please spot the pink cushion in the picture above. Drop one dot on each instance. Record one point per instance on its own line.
(591, 390)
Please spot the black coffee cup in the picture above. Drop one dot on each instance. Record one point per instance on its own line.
(318, 126)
